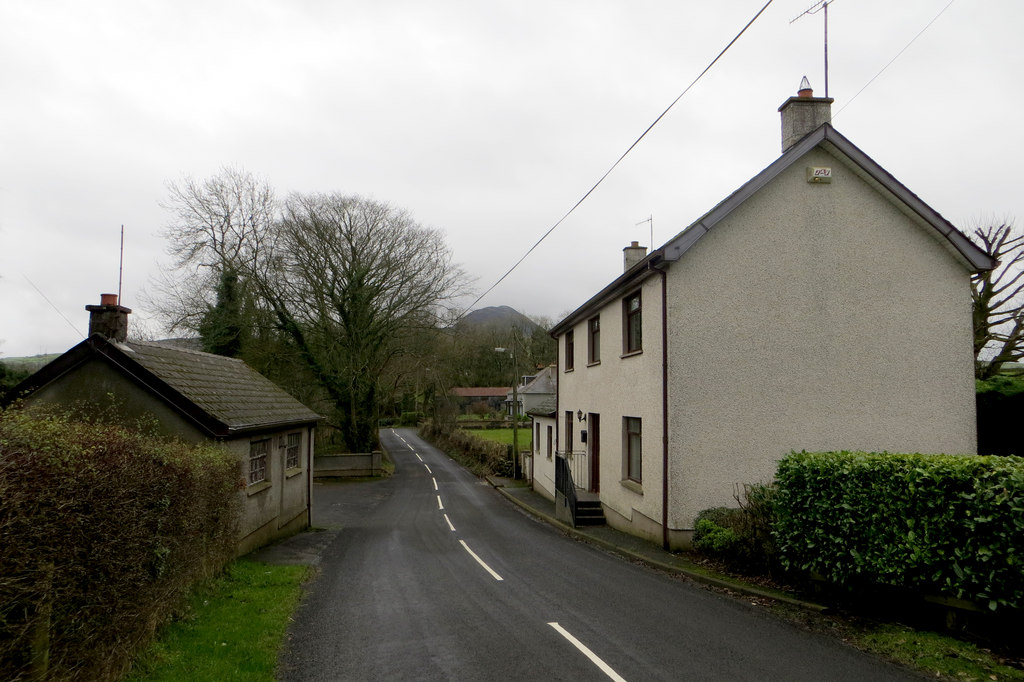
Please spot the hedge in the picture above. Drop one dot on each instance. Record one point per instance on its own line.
(491, 457)
(940, 524)
(102, 532)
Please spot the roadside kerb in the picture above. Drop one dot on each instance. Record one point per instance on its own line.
(650, 560)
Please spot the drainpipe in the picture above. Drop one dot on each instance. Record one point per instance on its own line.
(664, 409)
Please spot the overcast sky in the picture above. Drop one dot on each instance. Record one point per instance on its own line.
(486, 119)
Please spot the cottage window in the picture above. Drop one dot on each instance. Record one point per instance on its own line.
(632, 434)
(570, 350)
(632, 327)
(258, 451)
(594, 340)
(291, 452)
(536, 437)
(550, 440)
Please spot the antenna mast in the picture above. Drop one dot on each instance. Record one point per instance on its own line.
(120, 268)
(649, 219)
(814, 9)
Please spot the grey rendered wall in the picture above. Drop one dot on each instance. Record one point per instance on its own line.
(814, 317)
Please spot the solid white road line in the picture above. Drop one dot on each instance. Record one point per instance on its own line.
(439, 505)
(449, 523)
(435, 483)
(481, 562)
(605, 668)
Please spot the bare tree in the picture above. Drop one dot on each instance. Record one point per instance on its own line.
(999, 301)
(350, 281)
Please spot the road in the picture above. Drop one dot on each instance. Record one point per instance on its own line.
(435, 576)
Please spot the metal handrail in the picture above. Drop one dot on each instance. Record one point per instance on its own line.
(564, 483)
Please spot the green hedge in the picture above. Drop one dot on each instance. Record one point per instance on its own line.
(102, 532)
(946, 524)
(486, 456)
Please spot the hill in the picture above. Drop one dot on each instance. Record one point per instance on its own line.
(499, 317)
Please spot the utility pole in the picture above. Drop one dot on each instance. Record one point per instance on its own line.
(515, 405)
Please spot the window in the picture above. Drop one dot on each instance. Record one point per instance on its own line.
(291, 452)
(536, 437)
(632, 327)
(634, 448)
(258, 451)
(570, 350)
(550, 440)
(594, 340)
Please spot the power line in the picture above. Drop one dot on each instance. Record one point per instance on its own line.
(614, 165)
(39, 291)
(865, 87)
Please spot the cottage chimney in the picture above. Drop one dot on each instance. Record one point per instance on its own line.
(109, 319)
(633, 254)
(803, 114)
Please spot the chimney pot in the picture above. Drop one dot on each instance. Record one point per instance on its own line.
(108, 299)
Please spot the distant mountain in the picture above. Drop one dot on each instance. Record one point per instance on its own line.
(499, 317)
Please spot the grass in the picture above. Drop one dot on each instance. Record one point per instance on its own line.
(504, 436)
(936, 653)
(233, 628)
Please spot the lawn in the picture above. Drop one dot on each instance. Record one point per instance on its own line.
(505, 436)
(232, 630)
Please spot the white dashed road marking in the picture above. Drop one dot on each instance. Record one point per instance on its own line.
(481, 562)
(605, 668)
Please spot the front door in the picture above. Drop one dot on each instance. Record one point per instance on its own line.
(594, 445)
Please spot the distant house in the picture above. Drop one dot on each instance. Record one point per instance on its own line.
(492, 397)
(533, 390)
(197, 397)
(821, 306)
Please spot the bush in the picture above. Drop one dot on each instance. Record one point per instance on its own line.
(102, 532)
(410, 419)
(936, 523)
(741, 536)
(715, 540)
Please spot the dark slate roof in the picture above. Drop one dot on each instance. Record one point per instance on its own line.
(225, 388)
(545, 408)
(222, 396)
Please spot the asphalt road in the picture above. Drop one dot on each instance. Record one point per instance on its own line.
(435, 576)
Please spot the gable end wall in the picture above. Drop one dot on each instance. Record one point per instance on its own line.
(814, 317)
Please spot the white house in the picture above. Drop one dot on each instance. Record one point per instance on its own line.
(821, 306)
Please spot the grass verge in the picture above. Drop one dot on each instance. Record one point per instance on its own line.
(232, 629)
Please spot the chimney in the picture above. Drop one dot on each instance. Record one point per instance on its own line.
(633, 254)
(803, 114)
(108, 319)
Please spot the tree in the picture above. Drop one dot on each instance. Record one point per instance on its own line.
(998, 297)
(217, 229)
(349, 281)
(347, 284)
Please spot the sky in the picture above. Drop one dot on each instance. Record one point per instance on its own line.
(486, 120)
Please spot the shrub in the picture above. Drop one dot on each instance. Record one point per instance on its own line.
(741, 536)
(936, 523)
(715, 540)
(410, 419)
(102, 531)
